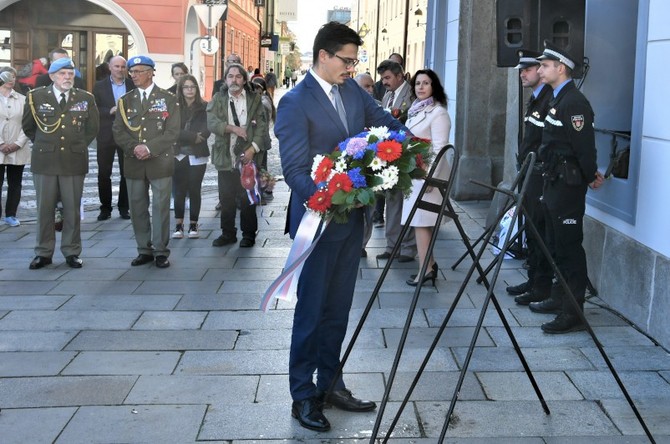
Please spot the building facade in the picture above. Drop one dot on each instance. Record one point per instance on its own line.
(92, 31)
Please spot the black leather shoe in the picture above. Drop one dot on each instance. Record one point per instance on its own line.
(39, 262)
(344, 400)
(247, 242)
(403, 258)
(364, 253)
(310, 415)
(224, 240)
(516, 290)
(142, 259)
(104, 215)
(162, 262)
(124, 214)
(531, 296)
(564, 323)
(73, 261)
(384, 255)
(551, 305)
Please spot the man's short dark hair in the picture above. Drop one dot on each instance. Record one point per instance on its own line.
(402, 59)
(57, 51)
(332, 37)
(390, 65)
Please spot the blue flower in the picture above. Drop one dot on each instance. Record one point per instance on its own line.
(398, 136)
(357, 178)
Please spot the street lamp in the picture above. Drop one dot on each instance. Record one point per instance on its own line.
(209, 13)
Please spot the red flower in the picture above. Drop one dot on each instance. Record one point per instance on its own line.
(389, 150)
(323, 170)
(395, 112)
(320, 201)
(340, 181)
(165, 115)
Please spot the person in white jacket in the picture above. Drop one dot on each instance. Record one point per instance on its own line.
(427, 118)
(14, 144)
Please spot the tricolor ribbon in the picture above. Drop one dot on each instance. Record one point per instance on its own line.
(309, 232)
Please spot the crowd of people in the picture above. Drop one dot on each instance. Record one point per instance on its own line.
(160, 138)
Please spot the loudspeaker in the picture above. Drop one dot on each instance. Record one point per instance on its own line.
(515, 29)
(528, 23)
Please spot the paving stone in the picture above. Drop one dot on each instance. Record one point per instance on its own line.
(153, 423)
(194, 390)
(49, 273)
(91, 274)
(138, 302)
(233, 362)
(177, 273)
(256, 287)
(234, 422)
(641, 358)
(32, 341)
(516, 419)
(462, 317)
(603, 440)
(654, 412)
(239, 320)
(432, 300)
(93, 287)
(602, 385)
(28, 287)
(388, 318)
(33, 364)
(424, 337)
(32, 302)
(218, 302)
(178, 287)
(21, 426)
(64, 391)
(510, 386)
(169, 320)
(539, 359)
(153, 340)
(239, 275)
(436, 385)
(68, 320)
(122, 363)
(362, 361)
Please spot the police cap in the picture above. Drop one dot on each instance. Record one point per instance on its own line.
(527, 58)
(553, 52)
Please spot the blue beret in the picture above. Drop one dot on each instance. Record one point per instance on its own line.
(140, 60)
(62, 63)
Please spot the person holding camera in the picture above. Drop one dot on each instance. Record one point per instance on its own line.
(237, 118)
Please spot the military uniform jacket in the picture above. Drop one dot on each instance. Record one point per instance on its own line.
(533, 125)
(156, 125)
(60, 137)
(568, 132)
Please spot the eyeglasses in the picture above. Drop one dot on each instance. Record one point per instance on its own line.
(188, 87)
(348, 63)
(138, 71)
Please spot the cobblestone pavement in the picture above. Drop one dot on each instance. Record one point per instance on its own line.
(114, 353)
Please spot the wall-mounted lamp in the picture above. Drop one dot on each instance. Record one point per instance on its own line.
(384, 31)
(418, 11)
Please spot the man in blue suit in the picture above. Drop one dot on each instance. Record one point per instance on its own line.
(308, 123)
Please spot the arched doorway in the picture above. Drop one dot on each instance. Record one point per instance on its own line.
(90, 30)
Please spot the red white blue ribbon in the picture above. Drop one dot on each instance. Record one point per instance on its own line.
(309, 232)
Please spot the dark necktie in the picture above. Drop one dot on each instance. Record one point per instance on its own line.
(61, 102)
(144, 99)
(339, 106)
(391, 99)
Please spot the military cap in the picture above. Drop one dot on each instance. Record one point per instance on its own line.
(62, 63)
(140, 60)
(553, 52)
(527, 58)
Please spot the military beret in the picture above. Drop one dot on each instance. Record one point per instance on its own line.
(62, 63)
(553, 52)
(141, 60)
(527, 58)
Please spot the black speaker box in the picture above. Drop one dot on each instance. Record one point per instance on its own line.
(528, 23)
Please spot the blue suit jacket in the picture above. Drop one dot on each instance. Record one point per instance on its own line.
(308, 124)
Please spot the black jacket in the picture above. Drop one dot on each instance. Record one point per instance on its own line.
(533, 124)
(193, 121)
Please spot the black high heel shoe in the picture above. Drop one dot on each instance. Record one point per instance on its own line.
(427, 277)
(434, 268)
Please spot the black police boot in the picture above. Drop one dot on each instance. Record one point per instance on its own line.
(533, 295)
(564, 323)
(550, 305)
(515, 290)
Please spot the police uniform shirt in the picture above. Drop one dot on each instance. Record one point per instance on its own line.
(536, 112)
(569, 134)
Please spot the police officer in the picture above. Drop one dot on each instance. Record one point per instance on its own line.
(146, 127)
(569, 154)
(62, 121)
(534, 289)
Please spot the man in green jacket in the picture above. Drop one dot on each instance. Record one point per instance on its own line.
(62, 121)
(237, 118)
(146, 127)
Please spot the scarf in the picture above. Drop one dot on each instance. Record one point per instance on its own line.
(418, 106)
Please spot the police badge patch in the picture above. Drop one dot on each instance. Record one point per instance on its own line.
(577, 122)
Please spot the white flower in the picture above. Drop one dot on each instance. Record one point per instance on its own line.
(381, 132)
(390, 177)
(377, 164)
(316, 162)
(341, 165)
